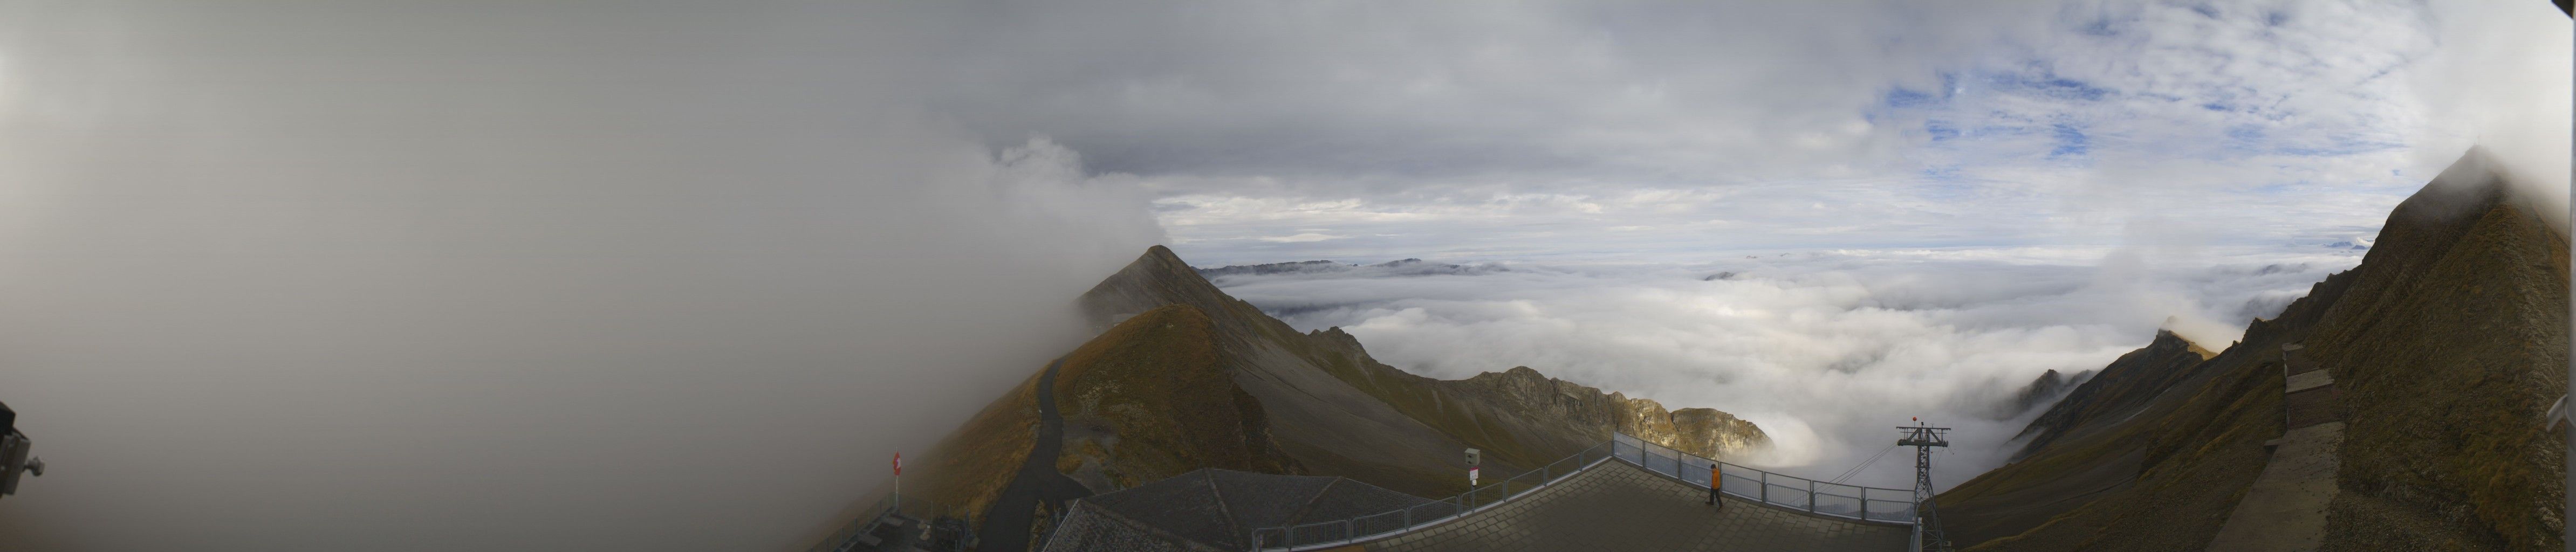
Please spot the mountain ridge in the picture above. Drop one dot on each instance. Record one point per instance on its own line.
(1530, 429)
(1182, 376)
(2446, 344)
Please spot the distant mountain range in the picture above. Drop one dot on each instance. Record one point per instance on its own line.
(1406, 267)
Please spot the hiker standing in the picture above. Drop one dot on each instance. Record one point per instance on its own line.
(1714, 481)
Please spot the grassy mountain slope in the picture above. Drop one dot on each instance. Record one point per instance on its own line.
(2448, 359)
(2446, 342)
(1184, 377)
(1148, 399)
(2126, 386)
(966, 470)
(2091, 453)
(1338, 411)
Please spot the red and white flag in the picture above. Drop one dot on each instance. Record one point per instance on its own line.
(898, 463)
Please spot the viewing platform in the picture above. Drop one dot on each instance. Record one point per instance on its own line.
(1628, 494)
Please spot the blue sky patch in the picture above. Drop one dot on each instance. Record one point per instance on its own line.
(2046, 83)
(1901, 98)
(2070, 141)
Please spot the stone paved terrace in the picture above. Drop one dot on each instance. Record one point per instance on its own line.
(1619, 506)
(2285, 511)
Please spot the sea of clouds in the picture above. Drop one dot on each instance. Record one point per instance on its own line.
(1825, 350)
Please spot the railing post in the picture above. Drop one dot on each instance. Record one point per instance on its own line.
(1349, 533)
(1864, 503)
(1811, 496)
(1766, 487)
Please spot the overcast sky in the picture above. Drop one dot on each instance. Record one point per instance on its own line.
(1369, 131)
(680, 275)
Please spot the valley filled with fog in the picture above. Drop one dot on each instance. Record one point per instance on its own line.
(1826, 350)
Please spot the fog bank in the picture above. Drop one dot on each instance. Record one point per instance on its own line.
(502, 275)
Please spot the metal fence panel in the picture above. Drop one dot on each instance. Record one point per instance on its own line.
(1848, 501)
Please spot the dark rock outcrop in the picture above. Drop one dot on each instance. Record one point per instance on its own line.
(1702, 431)
(2041, 391)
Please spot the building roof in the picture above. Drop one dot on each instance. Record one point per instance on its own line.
(1214, 510)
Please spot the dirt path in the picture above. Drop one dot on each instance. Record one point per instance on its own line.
(1006, 522)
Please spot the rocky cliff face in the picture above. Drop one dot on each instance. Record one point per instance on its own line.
(2447, 344)
(1708, 432)
(1702, 431)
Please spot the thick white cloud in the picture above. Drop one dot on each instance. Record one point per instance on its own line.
(505, 275)
(1826, 350)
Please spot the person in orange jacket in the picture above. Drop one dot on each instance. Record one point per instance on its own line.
(1714, 482)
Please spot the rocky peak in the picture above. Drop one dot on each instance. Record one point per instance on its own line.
(2122, 387)
(1154, 279)
(1702, 431)
(1708, 432)
(2047, 387)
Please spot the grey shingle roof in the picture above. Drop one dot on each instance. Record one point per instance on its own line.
(1214, 509)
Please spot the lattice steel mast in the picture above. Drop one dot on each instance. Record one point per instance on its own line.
(1923, 439)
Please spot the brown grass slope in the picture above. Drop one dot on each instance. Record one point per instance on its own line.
(1184, 377)
(1337, 411)
(2448, 357)
(2445, 342)
(2122, 388)
(1150, 399)
(2095, 439)
(2163, 480)
(966, 470)
(1145, 400)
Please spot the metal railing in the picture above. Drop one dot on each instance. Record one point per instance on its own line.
(1865, 504)
(917, 510)
(1853, 502)
(1385, 524)
(847, 538)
